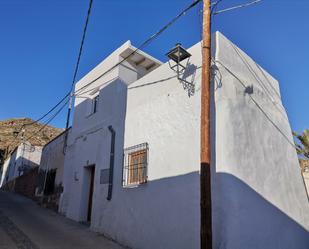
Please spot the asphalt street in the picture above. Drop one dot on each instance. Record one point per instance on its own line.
(25, 225)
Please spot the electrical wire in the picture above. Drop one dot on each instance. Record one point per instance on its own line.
(43, 127)
(236, 7)
(259, 81)
(74, 75)
(48, 121)
(46, 114)
(257, 104)
(97, 87)
(214, 7)
(39, 119)
(81, 44)
(146, 42)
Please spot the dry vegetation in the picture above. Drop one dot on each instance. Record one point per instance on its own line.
(9, 135)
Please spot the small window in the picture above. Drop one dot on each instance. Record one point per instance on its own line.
(95, 104)
(135, 165)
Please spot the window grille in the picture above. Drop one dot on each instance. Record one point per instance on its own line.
(135, 165)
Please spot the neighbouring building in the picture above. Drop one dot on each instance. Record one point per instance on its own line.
(22, 159)
(304, 164)
(132, 162)
(50, 179)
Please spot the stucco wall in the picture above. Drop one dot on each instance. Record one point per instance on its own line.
(92, 147)
(53, 158)
(306, 180)
(89, 141)
(25, 155)
(259, 199)
(5, 172)
(164, 212)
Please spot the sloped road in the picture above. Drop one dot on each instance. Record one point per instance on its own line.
(25, 225)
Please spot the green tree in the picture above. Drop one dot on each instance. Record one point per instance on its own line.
(302, 146)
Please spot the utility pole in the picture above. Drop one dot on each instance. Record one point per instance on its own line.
(65, 142)
(205, 180)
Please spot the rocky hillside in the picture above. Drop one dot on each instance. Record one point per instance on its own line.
(11, 135)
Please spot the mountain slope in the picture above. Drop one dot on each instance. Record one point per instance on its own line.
(11, 134)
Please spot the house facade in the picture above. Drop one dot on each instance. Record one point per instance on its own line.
(23, 158)
(50, 179)
(304, 164)
(132, 162)
(98, 111)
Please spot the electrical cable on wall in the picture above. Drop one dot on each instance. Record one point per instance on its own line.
(144, 44)
(258, 105)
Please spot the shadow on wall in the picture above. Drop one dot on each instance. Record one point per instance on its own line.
(242, 218)
(25, 165)
(17, 167)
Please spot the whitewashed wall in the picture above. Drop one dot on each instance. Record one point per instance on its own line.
(53, 157)
(89, 141)
(5, 169)
(258, 196)
(259, 199)
(306, 180)
(24, 155)
(164, 212)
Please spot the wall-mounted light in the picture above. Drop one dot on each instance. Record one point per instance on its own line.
(177, 55)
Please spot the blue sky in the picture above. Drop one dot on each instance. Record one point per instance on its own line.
(40, 42)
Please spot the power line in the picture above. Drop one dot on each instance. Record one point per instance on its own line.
(258, 80)
(97, 87)
(236, 7)
(39, 119)
(214, 7)
(81, 44)
(257, 104)
(152, 83)
(46, 114)
(48, 121)
(43, 127)
(146, 42)
(75, 74)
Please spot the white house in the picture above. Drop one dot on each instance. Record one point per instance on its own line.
(132, 163)
(52, 166)
(24, 157)
(305, 171)
(97, 107)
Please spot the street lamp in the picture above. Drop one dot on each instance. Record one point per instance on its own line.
(177, 55)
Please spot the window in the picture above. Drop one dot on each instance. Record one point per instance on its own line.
(95, 103)
(135, 165)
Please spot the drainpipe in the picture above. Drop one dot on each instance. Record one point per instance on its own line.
(46, 173)
(111, 163)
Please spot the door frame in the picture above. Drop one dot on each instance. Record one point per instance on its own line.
(90, 172)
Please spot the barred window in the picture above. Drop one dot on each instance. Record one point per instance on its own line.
(135, 165)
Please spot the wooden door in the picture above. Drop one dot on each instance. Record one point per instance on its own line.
(91, 187)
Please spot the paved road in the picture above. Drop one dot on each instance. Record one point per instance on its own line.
(25, 225)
